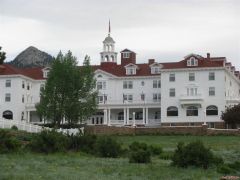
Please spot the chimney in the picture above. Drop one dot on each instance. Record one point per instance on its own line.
(208, 55)
(151, 61)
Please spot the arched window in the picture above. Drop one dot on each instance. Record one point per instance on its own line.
(7, 114)
(99, 76)
(172, 111)
(112, 58)
(106, 58)
(211, 110)
(120, 116)
(192, 111)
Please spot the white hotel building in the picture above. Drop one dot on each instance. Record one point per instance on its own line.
(192, 91)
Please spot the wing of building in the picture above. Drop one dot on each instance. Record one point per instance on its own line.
(192, 91)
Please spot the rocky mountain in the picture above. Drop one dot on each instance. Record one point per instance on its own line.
(32, 57)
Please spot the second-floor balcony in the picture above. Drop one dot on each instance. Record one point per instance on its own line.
(130, 102)
(233, 99)
(195, 99)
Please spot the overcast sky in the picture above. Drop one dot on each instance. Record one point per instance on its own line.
(160, 29)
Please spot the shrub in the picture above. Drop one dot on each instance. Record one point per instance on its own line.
(235, 165)
(166, 155)
(48, 142)
(107, 147)
(140, 156)
(155, 150)
(81, 142)
(14, 128)
(137, 145)
(8, 143)
(224, 169)
(193, 154)
(139, 153)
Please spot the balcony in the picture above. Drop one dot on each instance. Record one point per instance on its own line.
(232, 100)
(130, 102)
(186, 100)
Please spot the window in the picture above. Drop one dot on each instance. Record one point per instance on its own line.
(172, 77)
(157, 115)
(192, 62)
(211, 91)
(211, 110)
(139, 115)
(127, 84)
(7, 97)
(127, 97)
(211, 125)
(191, 76)
(131, 71)
(126, 55)
(102, 99)
(23, 84)
(192, 111)
(8, 83)
(156, 83)
(22, 98)
(28, 86)
(45, 73)
(99, 76)
(101, 85)
(211, 76)
(7, 114)
(172, 92)
(120, 116)
(142, 83)
(156, 97)
(155, 70)
(172, 111)
(143, 97)
(192, 91)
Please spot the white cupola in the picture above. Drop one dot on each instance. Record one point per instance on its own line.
(108, 54)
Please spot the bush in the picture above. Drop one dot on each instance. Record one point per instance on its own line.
(139, 153)
(235, 165)
(81, 142)
(107, 147)
(14, 128)
(48, 142)
(155, 150)
(140, 156)
(166, 155)
(8, 143)
(193, 154)
(224, 169)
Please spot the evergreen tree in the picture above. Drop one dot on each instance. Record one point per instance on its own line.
(69, 91)
(2, 56)
(231, 116)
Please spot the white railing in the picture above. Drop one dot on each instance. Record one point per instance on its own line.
(121, 102)
(32, 128)
(196, 96)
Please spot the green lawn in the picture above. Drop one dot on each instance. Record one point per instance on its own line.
(82, 166)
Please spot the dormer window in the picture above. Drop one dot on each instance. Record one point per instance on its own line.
(45, 72)
(192, 62)
(126, 55)
(131, 69)
(155, 70)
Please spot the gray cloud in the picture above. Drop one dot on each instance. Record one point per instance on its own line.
(165, 30)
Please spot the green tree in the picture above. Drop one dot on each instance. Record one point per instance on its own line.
(69, 91)
(2, 56)
(231, 116)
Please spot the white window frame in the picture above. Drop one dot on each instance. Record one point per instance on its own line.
(8, 83)
(7, 97)
(156, 83)
(172, 92)
(172, 77)
(192, 62)
(191, 76)
(101, 85)
(128, 97)
(155, 70)
(211, 91)
(130, 71)
(211, 76)
(156, 97)
(126, 54)
(127, 84)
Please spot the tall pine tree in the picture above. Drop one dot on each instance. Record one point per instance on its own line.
(2, 56)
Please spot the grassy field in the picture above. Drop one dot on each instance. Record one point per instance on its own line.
(81, 166)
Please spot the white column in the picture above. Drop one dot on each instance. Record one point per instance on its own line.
(28, 116)
(134, 123)
(147, 115)
(143, 115)
(105, 117)
(109, 117)
(127, 116)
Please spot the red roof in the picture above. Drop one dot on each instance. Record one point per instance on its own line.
(118, 69)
